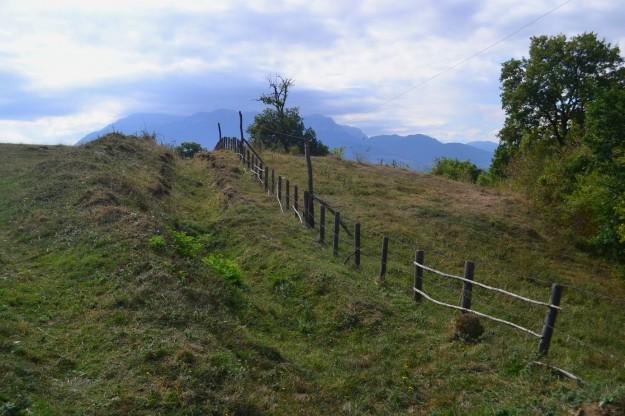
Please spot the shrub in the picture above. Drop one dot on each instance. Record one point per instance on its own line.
(457, 170)
(188, 149)
(226, 268)
(186, 245)
(157, 243)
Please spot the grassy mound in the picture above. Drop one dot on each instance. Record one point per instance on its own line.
(133, 282)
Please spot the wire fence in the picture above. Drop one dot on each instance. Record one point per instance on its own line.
(440, 285)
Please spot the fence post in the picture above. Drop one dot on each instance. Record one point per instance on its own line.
(267, 178)
(322, 223)
(467, 288)
(418, 275)
(550, 319)
(306, 196)
(280, 188)
(337, 227)
(357, 245)
(287, 196)
(261, 171)
(249, 159)
(383, 259)
(295, 198)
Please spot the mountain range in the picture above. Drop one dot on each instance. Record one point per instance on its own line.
(417, 151)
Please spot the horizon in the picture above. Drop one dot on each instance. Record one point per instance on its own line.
(383, 68)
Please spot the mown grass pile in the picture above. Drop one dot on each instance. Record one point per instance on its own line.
(133, 282)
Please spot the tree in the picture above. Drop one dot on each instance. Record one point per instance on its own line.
(281, 127)
(188, 149)
(547, 94)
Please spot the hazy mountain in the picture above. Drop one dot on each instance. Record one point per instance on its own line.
(417, 151)
(199, 127)
(420, 151)
(484, 145)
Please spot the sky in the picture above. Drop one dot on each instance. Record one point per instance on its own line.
(69, 67)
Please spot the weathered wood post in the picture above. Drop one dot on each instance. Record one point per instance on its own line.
(273, 181)
(550, 319)
(322, 223)
(295, 199)
(261, 171)
(337, 228)
(287, 196)
(241, 131)
(280, 188)
(357, 245)
(383, 259)
(311, 207)
(306, 198)
(467, 287)
(418, 275)
(267, 178)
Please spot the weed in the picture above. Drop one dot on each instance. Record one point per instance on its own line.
(186, 245)
(157, 243)
(226, 268)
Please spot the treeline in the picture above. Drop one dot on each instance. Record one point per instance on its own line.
(563, 140)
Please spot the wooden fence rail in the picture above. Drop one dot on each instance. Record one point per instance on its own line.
(260, 170)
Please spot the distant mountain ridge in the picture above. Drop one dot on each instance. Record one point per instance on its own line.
(417, 151)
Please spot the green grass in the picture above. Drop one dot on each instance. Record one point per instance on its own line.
(98, 316)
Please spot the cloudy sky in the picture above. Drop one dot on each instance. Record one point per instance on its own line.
(68, 67)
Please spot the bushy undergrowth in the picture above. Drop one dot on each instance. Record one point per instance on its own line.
(457, 170)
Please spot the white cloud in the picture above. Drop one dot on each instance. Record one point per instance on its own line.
(66, 129)
(380, 48)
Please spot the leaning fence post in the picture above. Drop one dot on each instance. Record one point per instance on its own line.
(273, 182)
(467, 287)
(418, 275)
(383, 259)
(322, 223)
(279, 188)
(287, 196)
(337, 227)
(295, 198)
(266, 178)
(550, 319)
(357, 245)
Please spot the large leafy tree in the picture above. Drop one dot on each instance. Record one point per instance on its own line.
(281, 127)
(545, 95)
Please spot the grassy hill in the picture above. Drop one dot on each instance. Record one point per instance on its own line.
(133, 282)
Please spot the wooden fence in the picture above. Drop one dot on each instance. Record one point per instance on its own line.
(287, 197)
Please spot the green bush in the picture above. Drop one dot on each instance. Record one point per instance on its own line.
(188, 149)
(157, 243)
(457, 170)
(186, 245)
(226, 268)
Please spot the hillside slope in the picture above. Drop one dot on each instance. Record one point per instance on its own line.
(237, 310)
